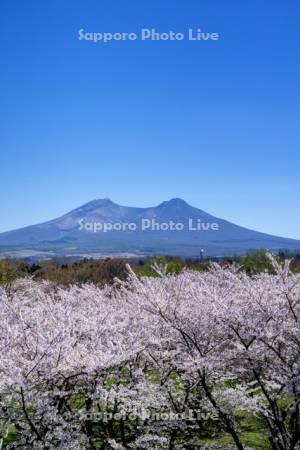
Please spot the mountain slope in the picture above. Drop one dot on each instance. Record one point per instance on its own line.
(73, 233)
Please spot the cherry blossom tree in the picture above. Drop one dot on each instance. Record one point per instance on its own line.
(151, 363)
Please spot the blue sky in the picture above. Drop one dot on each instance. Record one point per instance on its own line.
(216, 123)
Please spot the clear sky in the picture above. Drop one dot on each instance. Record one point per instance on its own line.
(215, 123)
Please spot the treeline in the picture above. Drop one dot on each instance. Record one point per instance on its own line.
(85, 271)
(105, 271)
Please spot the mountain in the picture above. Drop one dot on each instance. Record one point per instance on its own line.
(102, 227)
